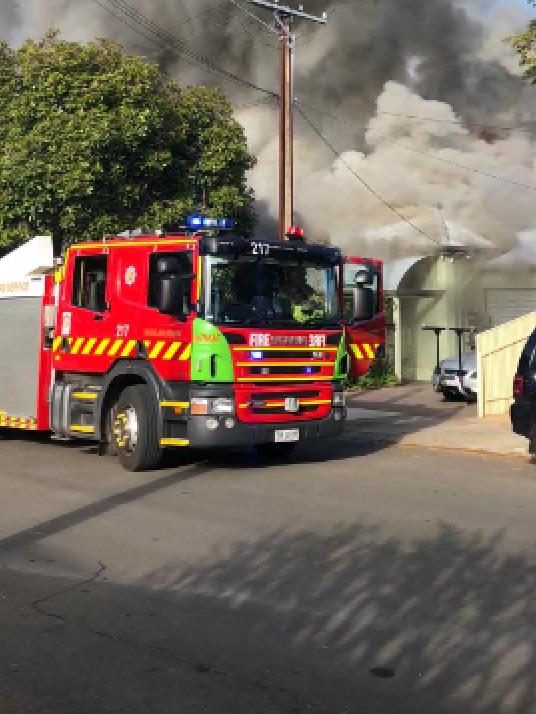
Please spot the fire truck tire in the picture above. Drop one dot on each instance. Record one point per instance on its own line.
(274, 453)
(135, 429)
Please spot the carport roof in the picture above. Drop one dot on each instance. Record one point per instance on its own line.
(394, 271)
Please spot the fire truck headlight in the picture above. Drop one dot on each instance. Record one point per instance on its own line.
(223, 406)
(338, 399)
(198, 406)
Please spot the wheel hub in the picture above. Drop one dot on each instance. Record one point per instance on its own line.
(126, 428)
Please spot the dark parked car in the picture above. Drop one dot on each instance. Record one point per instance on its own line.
(523, 410)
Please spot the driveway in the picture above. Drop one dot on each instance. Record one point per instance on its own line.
(415, 415)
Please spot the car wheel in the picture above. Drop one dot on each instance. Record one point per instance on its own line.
(135, 429)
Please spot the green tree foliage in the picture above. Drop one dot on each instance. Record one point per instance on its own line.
(94, 141)
(525, 45)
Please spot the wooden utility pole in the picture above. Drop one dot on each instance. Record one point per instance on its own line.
(283, 20)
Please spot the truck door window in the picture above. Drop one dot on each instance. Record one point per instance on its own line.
(89, 283)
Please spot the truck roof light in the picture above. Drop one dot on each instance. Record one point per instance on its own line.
(197, 222)
(194, 221)
(295, 233)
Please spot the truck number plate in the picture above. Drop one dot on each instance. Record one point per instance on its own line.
(286, 435)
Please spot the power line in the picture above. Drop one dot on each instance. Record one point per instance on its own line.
(266, 26)
(457, 122)
(362, 181)
(433, 157)
(204, 12)
(180, 47)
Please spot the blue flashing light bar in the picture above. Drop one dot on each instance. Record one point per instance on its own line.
(256, 355)
(197, 222)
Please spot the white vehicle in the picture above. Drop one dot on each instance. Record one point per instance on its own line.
(448, 382)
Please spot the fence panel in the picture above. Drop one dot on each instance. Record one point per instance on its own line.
(498, 352)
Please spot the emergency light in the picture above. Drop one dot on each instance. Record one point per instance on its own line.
(198, 222)
(295, 233)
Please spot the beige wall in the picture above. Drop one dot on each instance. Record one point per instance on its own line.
(448, 277)
(460, 301)
(498, 352)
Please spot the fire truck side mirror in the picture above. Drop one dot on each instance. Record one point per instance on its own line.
(173, 296)
(363, 304)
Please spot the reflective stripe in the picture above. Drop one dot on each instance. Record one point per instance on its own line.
(174, 442)
(369, 351)
(357, 352)
(89, 396)
(56, 344)
(296, 378)
(82, 429)
(114, 349)
(172, 351)
(101, 349)
(23, 423)
(186, 354)
(75, 348)
(153, 354)
(175, 405)
(261, 363)
(285, 348)
(128, 348)
(89, 345)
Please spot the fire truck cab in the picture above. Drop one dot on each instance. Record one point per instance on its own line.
(363, 312)
(193, 339)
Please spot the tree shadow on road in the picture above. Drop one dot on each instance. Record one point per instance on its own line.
(346, 620)
(451, 617)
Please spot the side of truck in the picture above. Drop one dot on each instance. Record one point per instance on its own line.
(193, 339)
(365, 323)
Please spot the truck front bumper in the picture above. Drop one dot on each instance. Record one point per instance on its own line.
(245, 434)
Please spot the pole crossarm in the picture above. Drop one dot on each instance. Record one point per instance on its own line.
(284, 10)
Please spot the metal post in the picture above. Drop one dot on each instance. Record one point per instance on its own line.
(283, 18)
(437, 331)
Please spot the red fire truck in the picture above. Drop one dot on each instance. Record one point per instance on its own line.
(197, 338)
(364, 321)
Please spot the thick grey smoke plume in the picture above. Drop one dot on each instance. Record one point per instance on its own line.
(440, 59)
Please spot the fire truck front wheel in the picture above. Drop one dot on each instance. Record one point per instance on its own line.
(135, 429)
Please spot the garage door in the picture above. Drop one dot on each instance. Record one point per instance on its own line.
(504, 305)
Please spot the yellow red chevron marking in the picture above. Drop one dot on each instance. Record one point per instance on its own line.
(127, 349)
(357, 352)
(186, 354)
(365, 350)
(12, 422)
(158, 347)
(110, 347)
(90, 344)
(77, 345)
(171, 351)
(103, 344)
(114, 349)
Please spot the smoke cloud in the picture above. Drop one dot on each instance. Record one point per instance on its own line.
(444, 60)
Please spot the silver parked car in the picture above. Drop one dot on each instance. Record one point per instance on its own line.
(448, 382)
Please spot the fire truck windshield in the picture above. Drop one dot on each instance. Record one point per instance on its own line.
(261, 290)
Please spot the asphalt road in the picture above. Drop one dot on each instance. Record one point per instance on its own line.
(360, 579)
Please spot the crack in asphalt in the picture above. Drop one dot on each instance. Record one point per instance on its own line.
(299, 704)
(37, 604)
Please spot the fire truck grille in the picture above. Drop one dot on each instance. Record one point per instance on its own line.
(284, 405)
(279, 410)
(277, 396)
